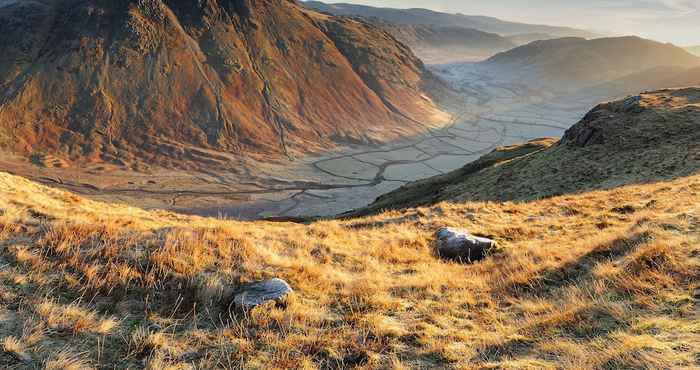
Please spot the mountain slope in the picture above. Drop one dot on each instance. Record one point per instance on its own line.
(646, 138)
(153, 80)
(589, 62)
(429, 17)
(526, 38)
(603, 279)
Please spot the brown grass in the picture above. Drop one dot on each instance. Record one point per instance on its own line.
(579, 283)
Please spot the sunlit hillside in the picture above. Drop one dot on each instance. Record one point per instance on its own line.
(597, 279)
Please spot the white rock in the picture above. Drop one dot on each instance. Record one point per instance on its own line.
(461, 245)
(255, 294)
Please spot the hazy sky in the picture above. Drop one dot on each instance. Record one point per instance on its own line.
(676, 21)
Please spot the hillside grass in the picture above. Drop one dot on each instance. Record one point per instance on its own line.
(599, 280)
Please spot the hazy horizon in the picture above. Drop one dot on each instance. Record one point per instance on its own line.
(676, 21)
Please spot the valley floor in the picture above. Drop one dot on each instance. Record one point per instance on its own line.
(495, 111)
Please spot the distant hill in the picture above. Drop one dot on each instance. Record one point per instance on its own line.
(650, 137)
(167, 82)
(429, 17)
(577, 61)
(438, 44)
(526, 38)
(655, 78)
(694, 50)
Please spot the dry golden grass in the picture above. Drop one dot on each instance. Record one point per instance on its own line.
(599, 280)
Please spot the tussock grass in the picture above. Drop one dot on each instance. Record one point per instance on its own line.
(603, 279)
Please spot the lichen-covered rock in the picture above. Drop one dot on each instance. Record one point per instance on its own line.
(255, 294)
(462, 246)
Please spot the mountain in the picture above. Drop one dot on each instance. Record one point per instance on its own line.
(526, 38)
(641, 139)
(604, 279)
(439, 44)
(429, 17)
(168, 81)
(574, 62)
(694, 50)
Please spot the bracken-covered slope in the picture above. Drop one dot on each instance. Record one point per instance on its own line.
(579, 61)
(151, 79)
(651, 137)
(606, 279)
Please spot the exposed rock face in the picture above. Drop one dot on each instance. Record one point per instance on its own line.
(153, 79)
(460, 245)
(255, 294)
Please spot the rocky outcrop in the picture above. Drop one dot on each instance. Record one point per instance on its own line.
(595, 127)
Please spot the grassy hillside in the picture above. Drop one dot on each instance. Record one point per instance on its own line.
(605, 279)
(600, 279)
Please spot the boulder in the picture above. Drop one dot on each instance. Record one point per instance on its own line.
(257, 293)
(462, 246)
